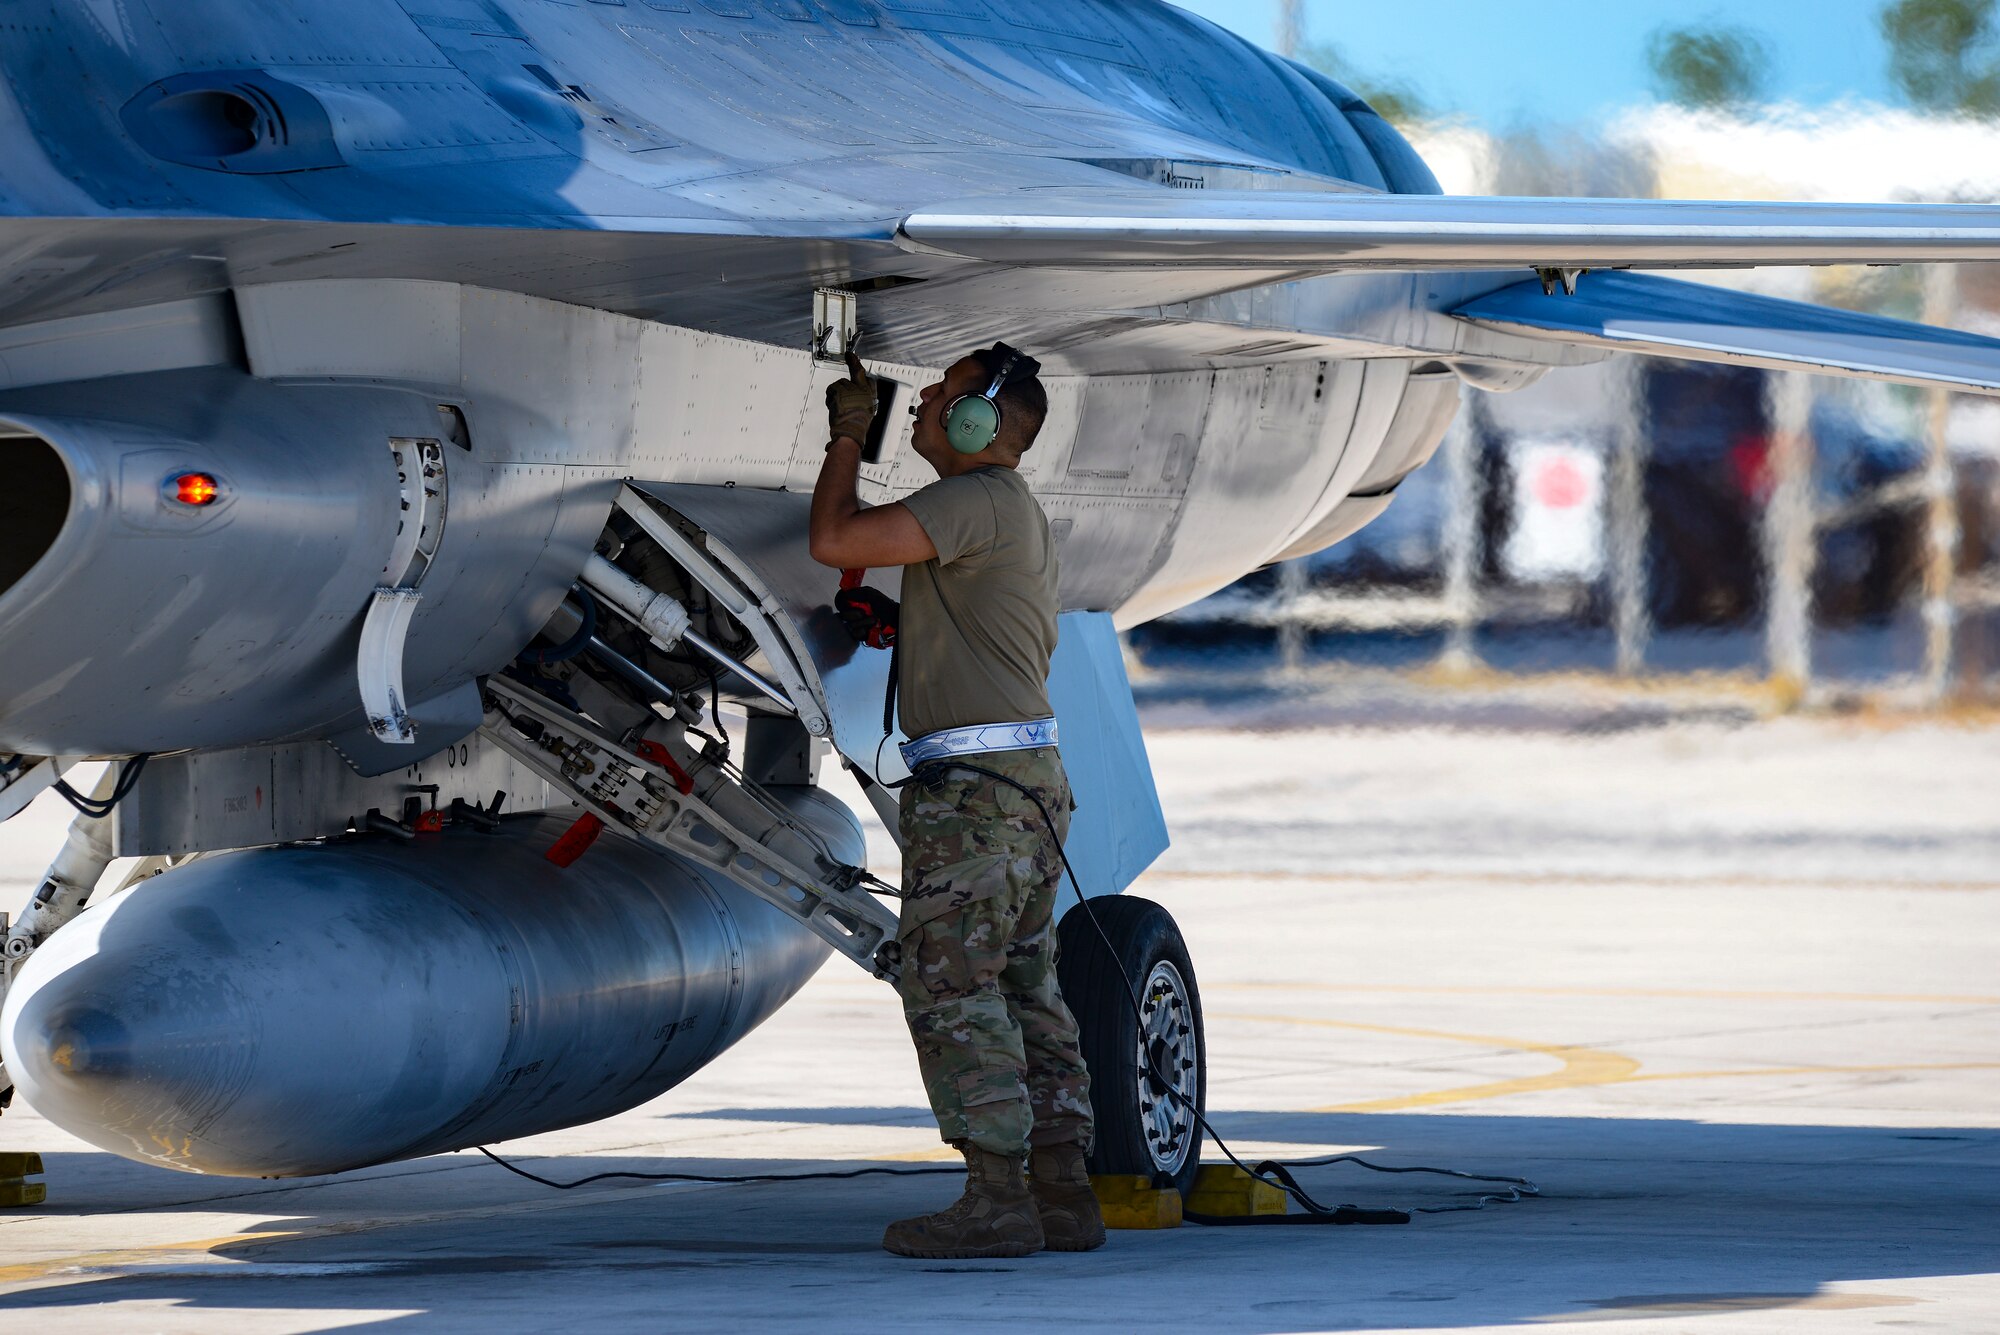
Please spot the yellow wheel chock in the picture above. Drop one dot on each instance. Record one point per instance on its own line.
(15, 1191)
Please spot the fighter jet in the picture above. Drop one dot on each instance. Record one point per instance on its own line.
(406, 414)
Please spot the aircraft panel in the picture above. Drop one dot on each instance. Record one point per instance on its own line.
(174, 335)
(1132, 426)
(1272, 438)
(1375, 403)
(1107, 544)
(353, 328)
(210, 800)
(382, 116)
(357, 32)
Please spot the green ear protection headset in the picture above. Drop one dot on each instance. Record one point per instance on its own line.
(972, 421)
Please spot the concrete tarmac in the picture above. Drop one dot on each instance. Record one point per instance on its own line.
(1725, 990)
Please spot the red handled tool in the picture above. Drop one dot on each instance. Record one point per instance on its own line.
(869, 614)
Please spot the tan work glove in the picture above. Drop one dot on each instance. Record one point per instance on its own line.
(850, 403)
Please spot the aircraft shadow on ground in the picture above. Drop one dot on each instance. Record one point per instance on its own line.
(1638, 1218)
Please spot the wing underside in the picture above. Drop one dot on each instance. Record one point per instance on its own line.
(1138, 280)
(1571, 241)
(1646, 313)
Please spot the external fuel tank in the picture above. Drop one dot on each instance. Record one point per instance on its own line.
(288, 1011)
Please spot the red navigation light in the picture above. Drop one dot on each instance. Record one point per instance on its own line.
(194, 489)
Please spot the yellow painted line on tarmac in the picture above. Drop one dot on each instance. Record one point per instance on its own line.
(1580, 1066)
(1649, 993)
(134, 1256)
(1520, 878)
(936, 1154)
(1889, 1068)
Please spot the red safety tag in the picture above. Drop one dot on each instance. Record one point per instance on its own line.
(429, 822)
(576, 840)
(851, 578)
(655, 752)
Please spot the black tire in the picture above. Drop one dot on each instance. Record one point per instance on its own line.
(1147, 943)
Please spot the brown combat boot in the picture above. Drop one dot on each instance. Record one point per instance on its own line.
(995, 1217)
(1071, 1221)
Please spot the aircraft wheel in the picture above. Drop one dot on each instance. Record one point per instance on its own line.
(1143, 1127)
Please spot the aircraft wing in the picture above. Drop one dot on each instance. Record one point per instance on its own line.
(1224, 229)
(1633, 312)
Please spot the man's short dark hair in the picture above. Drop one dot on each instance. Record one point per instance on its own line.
(1024, 403)
(1024, 406)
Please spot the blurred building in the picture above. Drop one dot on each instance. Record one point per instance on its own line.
(1640, 515)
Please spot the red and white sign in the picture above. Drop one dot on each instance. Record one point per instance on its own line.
(1557, 531)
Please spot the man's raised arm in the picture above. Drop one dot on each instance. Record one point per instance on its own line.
(843, 533)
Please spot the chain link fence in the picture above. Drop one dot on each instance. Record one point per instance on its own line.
(1831, 540)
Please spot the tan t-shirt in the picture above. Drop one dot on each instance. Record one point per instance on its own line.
(978, 622)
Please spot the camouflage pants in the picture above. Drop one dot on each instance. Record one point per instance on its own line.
(996, 1045)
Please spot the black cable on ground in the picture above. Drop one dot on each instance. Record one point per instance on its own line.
(1272, 1172)
(719, 1179)
(1518, 1188)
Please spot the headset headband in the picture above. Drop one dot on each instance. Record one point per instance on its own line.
(1006, 369)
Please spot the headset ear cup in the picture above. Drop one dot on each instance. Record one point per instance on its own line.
(971, 423)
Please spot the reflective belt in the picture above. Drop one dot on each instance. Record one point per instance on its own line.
(978, 737)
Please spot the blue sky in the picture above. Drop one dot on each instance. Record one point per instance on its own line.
(1501, 61)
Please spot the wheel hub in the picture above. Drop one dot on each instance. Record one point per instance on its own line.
(1170, 1060)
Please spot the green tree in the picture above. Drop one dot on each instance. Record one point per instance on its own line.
(1716, 69)
(1945, 54)
(1395, 101)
